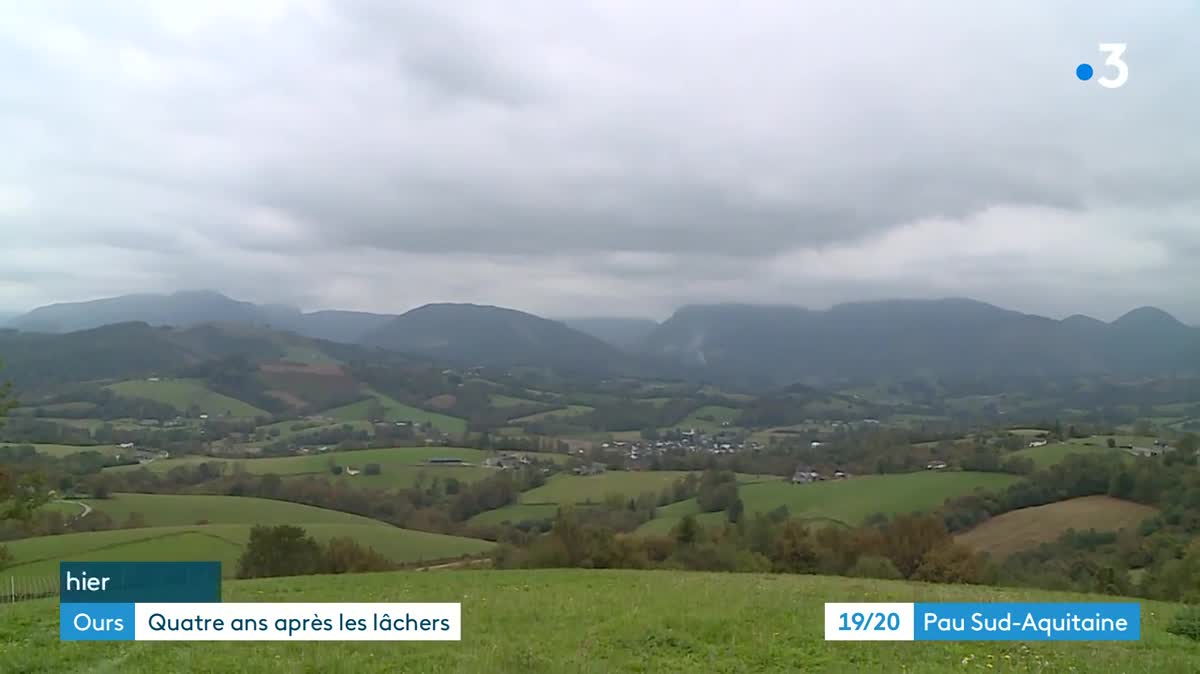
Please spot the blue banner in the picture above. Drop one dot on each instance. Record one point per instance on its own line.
(131, 582)
(1027, 622)
(96, 622)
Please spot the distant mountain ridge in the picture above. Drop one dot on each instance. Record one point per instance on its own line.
(743, 344)
(899, 338)
(481, 335)
(193, 307)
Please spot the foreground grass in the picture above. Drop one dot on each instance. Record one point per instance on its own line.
(847, 501)
(604, 621)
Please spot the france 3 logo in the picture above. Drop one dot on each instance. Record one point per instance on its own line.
(1115, 51)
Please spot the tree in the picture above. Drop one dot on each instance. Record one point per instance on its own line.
(687, 531)
(283, 550)
(733, 512)
(908, 537)
(795, 551)
(20, 495)
(345, 555)
(1190, 442)
(1112, 443)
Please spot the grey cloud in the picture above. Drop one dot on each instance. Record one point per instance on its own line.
(616, 157)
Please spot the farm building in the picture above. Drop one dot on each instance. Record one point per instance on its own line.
(804, 475)
(593, 469)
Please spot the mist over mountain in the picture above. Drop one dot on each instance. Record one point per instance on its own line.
(744, 344)
(888, 339)
(626, 333)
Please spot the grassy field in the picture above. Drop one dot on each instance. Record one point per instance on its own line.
(499, 400)
(36, 557)
(183, 393)
(518, 512)
(60, 451)
(399, 466)
(594, 488)
(1055, 452)
(560, 413)
(394, 410)
(709, 418)
(620, 621)
(846, 501)
(1005, 534)
(181, 509)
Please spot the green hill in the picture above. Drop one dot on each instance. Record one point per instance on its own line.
(39, 557)
(60, 451)
(594, 488)
(399, 466)
(395, 410)
(183, 393)
(1055, 452)
(620, 621)
(846, 501)
(183, 509)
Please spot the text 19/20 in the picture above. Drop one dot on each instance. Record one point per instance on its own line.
(860, 622)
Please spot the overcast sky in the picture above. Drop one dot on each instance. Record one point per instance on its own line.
(600, 158)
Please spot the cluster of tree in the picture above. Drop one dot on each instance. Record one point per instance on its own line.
(287, 550)
(718, 491)
(97, 402)
(63, 473)
(915, 546)
(1152, 482)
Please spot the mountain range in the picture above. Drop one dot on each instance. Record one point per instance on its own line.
(748, 345)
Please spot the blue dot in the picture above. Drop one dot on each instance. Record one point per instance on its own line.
(1083, 72)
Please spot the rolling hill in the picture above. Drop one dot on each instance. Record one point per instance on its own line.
(39, 557)
(183, 394)
(1017, 530)
(184, 509)
(841, 501)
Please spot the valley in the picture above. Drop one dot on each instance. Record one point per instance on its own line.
(210, 440)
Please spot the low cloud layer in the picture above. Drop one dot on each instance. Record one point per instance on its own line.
(605, 158)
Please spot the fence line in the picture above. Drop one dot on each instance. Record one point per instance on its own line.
(22, 588)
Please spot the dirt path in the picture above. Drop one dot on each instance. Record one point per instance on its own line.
(456, 565)
(87, 509)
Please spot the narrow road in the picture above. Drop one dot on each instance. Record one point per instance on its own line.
(456, 565)
(87, 509)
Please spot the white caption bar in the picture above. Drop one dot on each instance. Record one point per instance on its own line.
(869, 622)
(297, 622)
